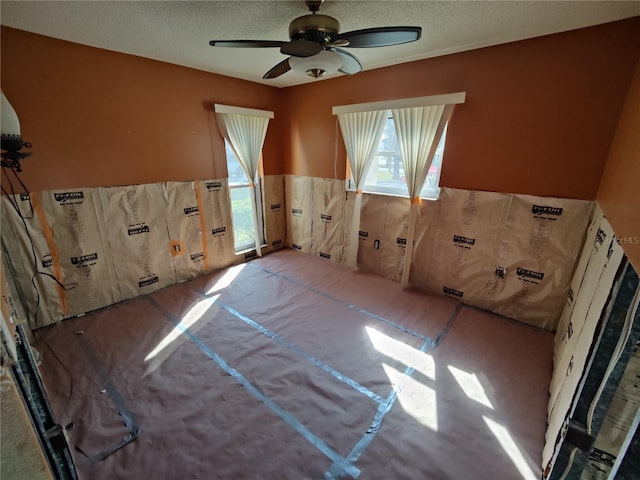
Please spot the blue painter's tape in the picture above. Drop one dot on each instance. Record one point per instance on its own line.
(335, 471)
(116, 398)
(337, 300)
(273, 335)
(338, 461)
(388, 322)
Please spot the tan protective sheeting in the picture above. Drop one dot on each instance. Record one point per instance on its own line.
(467, 236)
(328, 219)
(75, 253)
(472, 407)
(19, 261)
(541, 244)
(510, 254)
(349, 205)
(274, 211)
(185, 233)
(424, 239)
(299, 198)
(108, 244)
(315, 217)
(140, 253)
(590, 288)
(214, 195)
(384, 222)
(78, 224)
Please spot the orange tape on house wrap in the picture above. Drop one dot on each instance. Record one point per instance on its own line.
(53, 249)
(203, 227)
(177, 248)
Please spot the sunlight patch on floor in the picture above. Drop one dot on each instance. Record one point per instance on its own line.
(471, 386)
(422, 362)
(227, 279)
(416, 399)
(508, 444)
(194, 314)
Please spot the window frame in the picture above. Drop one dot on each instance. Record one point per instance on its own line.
(246, 247)
(445, 99)
(431, 193)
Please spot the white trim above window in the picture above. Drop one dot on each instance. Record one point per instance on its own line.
(219, 108)
(446, 99)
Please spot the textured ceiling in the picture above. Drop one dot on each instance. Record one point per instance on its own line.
(178, 32)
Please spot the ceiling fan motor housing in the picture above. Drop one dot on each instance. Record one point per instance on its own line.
(314, 28)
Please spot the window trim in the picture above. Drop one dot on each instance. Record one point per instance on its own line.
(446, 99)
(220, 108)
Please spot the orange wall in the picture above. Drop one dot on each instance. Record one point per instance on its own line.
(619, 193)
(539, 118)
(99, 118)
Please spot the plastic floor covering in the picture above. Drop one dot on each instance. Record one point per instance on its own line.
(293, 367)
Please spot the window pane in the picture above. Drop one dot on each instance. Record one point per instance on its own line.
(236, 172)
(242, 217)
(386, 173)
(431, 188)
(241, 209)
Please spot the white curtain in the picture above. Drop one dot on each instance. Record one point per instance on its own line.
(245, 134)
(361, 132)
(419, 130)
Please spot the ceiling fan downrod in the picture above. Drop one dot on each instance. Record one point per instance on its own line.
(314, 5)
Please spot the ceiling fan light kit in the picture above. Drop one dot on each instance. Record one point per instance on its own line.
(314, 41)
(324, 63)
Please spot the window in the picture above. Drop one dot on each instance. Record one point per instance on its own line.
(241, 207)
(386, 174)
(406, 138)
(244, 130)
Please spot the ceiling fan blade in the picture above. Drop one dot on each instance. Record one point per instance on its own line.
(279, 69)
(247, 43)
(350, 64)
(380, 36)
(301, 48)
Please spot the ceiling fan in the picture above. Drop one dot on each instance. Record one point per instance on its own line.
(318, 36)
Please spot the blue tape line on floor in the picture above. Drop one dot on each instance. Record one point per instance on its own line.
(334, 472)
(318, 363)
(337, 300)
(339, 461)
(449, 324)
(127, 417)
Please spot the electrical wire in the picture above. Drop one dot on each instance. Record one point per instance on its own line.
(567, 469)
(16, 207)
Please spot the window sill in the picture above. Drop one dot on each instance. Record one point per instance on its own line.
(246, 250)
(391, 194)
